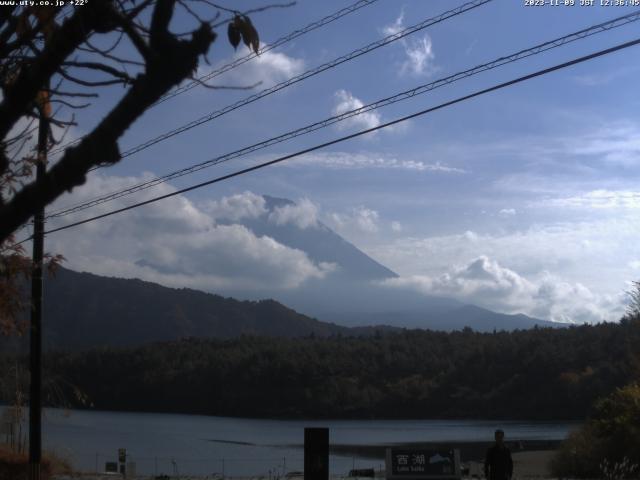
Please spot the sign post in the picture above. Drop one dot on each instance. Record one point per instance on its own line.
(316, 454)
(422, 464)
(122, 459)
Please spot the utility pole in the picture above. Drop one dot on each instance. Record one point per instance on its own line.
(35, 357)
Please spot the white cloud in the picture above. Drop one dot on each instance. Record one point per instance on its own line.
(232, 256)
(507, 212)
(176, 243)
(303, 214)
(269, 68)
(236, 207)
(352, 161)
(419, 54)
(396, 227)
(598, 254)
(596, 199)
(470, 236)
(617, 144)
(420, 57)
(360, 219)
(485, 282)
(346, 102)
(396, 27)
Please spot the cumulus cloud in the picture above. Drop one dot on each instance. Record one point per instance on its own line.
(396, 227)
(237, 207)
(419, 54)
(303, 214)
(485, 282)
(269, 68)
(352, 161)
(581, 249)
(346, 102)
(599, 254)
(177, 243)
(232, 256)
(360, 218)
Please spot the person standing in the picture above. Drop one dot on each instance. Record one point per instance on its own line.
(497, 463)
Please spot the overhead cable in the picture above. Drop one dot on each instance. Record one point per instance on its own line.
(305, 75)
(354, 135)
(421, 89)
(250, 56)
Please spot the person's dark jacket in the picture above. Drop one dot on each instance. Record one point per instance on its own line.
(498, 464)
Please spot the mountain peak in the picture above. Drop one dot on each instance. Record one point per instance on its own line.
(271, 203)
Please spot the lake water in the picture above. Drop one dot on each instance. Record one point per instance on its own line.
(201, 445)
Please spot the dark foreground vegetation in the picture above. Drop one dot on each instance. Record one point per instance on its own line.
(532, 374)
(608, 444)
(13, 464)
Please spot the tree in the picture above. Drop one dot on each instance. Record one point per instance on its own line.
(609, 442)
(51, 60)
(633, 308)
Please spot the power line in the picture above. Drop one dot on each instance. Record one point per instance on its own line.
(605, 26)
(357, 134)
(242, 60)
(305, 75)
(287, 38)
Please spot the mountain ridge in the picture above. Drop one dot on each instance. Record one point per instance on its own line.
(85, 310)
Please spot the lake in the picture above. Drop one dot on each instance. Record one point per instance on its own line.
(201, 445)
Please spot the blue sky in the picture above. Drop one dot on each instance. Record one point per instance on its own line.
(523, 200)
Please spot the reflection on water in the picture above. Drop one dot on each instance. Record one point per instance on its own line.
(200, 445)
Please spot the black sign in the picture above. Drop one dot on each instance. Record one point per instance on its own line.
(422, 463)
(316, 454)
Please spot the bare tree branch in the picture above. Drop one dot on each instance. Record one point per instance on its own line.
(102, 67)
(90, 83)
(60, 45)
(170, 61)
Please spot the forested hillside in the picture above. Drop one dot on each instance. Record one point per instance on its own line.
(83, 310)
(533, 374)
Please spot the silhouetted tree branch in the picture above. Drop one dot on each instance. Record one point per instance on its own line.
(42, 46)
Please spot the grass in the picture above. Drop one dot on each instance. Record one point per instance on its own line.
(13, 465)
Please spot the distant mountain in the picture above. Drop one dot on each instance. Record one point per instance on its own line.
(320, 243)
(352, 295)
(85, 310)
(477, 318)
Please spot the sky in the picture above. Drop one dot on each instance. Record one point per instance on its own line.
(524, 200)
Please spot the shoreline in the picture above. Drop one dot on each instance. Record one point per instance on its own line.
(530, 457)
(469, 450)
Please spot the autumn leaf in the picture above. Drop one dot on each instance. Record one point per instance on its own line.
(233, 34)
(244, 27)
(254, 39)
